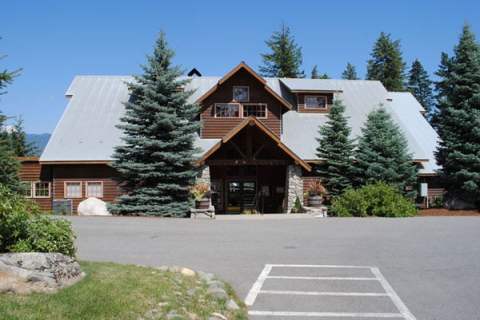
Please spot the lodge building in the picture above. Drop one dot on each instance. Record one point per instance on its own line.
(258, 138)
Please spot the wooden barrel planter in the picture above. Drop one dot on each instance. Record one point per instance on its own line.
(315, 201)
(202, 204)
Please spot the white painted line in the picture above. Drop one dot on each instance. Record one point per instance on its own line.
(319, 266)
(324, 278)
(257, 286)
(324, 314)
(326, 293)
(393, 295)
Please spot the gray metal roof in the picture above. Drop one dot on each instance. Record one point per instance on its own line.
(87, 130)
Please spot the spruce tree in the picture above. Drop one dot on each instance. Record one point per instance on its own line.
(336, 150)
(9, 165)
(316, 75)
(386, 63)
(18, 141)
(420, 85)
(350, 73)
(285, 58)
(458, 119)
(382, 154)
(6, 76)
(156, 160)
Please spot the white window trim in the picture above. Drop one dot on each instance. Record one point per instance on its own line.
(34, 191)
(248, 93)
(86, 188)
(316, 96)
(31, 189)
(65, 189)
(256, 104)
(240, 110)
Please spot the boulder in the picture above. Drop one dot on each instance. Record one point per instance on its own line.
(28, 272)
(93, 207)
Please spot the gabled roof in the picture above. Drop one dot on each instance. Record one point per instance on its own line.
(253, 121)
(240, 66)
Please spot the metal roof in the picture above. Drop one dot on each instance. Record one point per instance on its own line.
(87, 129)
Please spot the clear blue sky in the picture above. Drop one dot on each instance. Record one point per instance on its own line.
(55, 40)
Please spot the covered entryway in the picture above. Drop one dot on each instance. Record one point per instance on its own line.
(248, 170)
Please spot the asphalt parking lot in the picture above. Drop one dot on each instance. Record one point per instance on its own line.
(425, 268)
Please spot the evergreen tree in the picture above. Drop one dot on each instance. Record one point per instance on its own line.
(316, 75)
(350, 73)
(382, 154)
(458, 119)
(9, 165)
(285, 58)
(6, 76)
(386, 63)
(336, 149)
(156, 161)
(18, 141)
(420, 86)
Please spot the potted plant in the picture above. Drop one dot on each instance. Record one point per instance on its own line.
(201, 193)
(316, 191)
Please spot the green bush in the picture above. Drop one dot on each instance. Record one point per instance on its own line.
(24, 229)
(379, 199)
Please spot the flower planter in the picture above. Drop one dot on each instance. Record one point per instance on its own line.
(315, 201)
(202, 204)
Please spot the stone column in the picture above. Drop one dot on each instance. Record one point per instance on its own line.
(294, 185)
(204, 176)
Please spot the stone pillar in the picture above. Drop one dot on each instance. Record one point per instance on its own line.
(294, 185)
(204, 176)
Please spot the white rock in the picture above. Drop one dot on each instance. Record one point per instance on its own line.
(187, 272)
(93, 207)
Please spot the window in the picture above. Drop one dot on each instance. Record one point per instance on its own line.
(73, 189)
(258, 110)
(241, 93)
(41, 189)
(27, 189)
(94, 189)
(315, 102)
(227, 110)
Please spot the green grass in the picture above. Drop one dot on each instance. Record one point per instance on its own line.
(113, 291)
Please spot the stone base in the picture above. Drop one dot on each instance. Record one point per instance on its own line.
(202, 213)
(320, 212)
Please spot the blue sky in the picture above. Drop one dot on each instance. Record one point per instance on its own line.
(55, 40)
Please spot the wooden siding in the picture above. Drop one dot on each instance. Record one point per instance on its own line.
(218, 127)
(301, 102)
(84, 174)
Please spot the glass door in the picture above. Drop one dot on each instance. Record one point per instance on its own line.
(240, 195)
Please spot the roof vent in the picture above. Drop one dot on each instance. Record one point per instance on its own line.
(194, 73)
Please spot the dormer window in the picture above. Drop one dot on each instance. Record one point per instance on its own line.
(315, 102)
(241, 93)
(227, 110)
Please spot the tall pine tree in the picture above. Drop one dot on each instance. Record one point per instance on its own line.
(336, 149)
(156, 161)
(285, 57)
(420, 85)
(350, 73)
(9, 165)
(458, 119)
(386, 63)
(382, 154)
(6, 76)
(18, 141)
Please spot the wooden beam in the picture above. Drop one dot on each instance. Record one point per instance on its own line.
(237, 148)
(258, 162)
(259, 150)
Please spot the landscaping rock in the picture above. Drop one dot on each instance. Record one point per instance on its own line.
(218, 293)
(217, 316)
(93, 207)
(232, 305)
(24, 273)
(187, 272)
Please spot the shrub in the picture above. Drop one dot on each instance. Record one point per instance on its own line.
(379, 199)
(23, 229)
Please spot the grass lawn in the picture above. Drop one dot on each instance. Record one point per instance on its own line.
(114, 291)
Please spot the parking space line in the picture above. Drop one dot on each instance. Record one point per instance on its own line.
(257, 286)
(393, 295)
(324, 278)
(326, 293)
(319, 266)
(325, 314)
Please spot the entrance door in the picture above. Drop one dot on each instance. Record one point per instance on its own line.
(240, 195)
